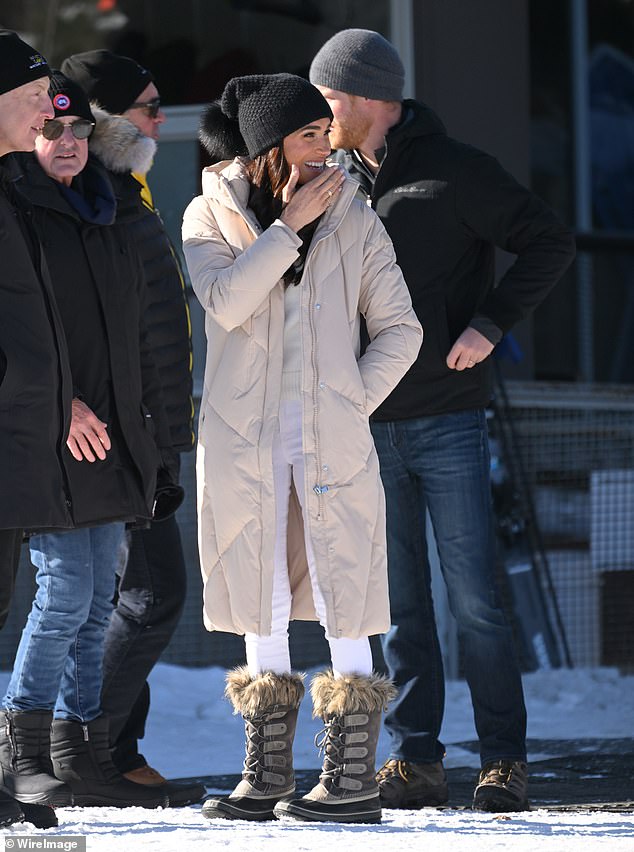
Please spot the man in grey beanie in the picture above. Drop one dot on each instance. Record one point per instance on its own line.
(446, 207)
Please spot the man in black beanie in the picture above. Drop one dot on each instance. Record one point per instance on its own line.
(35, 387)
(152, 585)
(446, 207)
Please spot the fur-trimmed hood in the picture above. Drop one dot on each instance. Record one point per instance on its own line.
(120, 145)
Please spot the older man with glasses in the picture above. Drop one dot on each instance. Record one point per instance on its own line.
(35, 380)
(152, 584)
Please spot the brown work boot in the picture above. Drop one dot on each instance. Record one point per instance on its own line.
(502, 787)
(145, 775)
(412, 785)
(180, 793)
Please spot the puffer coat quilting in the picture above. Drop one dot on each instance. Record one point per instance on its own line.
(235, 270)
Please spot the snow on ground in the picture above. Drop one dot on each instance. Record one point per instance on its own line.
(192, 732)
(562, 704)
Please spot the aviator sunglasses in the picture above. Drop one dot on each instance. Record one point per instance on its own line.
(81, 129)
(152, 107)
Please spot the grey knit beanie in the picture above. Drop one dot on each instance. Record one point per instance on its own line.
(359, 62)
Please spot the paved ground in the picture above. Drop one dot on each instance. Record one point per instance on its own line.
(582, 774)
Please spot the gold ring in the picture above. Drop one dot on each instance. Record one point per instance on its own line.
(329, 191)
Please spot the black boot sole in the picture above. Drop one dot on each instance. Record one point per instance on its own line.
(252, 810)
(10, 814)
(497, 803)
(182, 795)
(85, 800)
(307, 811)
(41, 816)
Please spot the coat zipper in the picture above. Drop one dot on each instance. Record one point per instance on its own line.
(318, 488)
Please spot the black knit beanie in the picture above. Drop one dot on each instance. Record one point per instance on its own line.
(19, 62)
(268, 107)
(359, 62)
(68, 98)
(113, 81)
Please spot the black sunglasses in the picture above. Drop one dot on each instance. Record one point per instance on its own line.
(81, 129)
(152, 106)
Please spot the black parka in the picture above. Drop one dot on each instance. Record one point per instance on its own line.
(99, 288)
(123, 149)
(35, 382)
(446, 206)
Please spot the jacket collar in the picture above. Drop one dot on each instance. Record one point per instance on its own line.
(119, 144)
(96, 203)
(227, 183)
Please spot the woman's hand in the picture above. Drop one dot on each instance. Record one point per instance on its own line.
(305, 204)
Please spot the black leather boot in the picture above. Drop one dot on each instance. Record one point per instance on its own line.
(81, 757)
(10, 810)
(26, 772)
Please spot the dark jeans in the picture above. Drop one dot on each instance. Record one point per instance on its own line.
(150, 600)
(10, 545)
(441, 463)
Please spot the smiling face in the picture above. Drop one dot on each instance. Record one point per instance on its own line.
(307, 148)
(65, 157)
(23, 111)
(351, 123)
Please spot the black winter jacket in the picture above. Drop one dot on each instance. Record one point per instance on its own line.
(446, 206)
(35, 382)
(123, 149)
(99, 287)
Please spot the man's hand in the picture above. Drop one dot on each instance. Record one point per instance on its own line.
(87, 434)
(470, 348)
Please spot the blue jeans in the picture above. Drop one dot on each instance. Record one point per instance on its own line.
(441, 463)
(58, 665)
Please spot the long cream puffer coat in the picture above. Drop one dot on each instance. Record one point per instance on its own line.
(235, 269)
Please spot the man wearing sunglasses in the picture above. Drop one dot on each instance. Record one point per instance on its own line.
(151, 591)
(35, 382)
(80, 128)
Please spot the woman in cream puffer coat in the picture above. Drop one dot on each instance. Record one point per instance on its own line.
(283, 365)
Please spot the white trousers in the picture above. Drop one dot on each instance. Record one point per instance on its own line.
(271, 653)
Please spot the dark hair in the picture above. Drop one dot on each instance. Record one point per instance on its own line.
(268, 175)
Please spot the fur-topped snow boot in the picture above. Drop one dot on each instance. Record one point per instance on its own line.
(351, 708)
(268, 704)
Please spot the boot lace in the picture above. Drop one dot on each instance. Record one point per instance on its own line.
(330, 744)
(393, 768)
(254, 731)
(503, 773)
